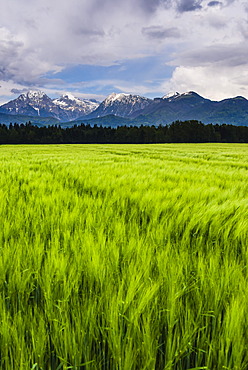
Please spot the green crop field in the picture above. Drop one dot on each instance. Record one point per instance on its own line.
(124, 257)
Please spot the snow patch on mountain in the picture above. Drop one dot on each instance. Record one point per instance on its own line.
(69, 97)
(116, 97)
(33, 94)
(171, 95)
(124, 98)
(38, 110)
(72, 104)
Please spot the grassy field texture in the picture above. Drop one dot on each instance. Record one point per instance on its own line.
(124, 257)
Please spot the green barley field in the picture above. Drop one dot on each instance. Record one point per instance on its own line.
(124, 257)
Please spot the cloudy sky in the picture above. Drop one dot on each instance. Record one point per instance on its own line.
(92, 48)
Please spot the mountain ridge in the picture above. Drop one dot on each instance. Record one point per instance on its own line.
(132, 109)
(38, 104)
(121, 104)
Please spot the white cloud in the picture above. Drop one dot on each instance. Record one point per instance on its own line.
(210, 82)
(39, 37)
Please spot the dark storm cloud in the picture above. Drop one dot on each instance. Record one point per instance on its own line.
(18, 91)
(215, 3)
(88, 32)
(181, 5)
(188, 5)
(4, 75)
(156, 32)
(149, 5)
(152, 5)
(228, 56)
(9, 53)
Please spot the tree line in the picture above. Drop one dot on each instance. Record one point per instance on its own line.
(178, 132)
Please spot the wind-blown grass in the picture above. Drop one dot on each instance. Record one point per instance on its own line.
(124, 257)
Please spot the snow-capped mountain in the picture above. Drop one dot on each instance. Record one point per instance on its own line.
(75, 107)
(32, 103)
(134, 108)
(37, 103)
(122, 105)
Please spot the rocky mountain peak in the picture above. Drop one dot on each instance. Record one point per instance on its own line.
(121, 104)
(33, 95)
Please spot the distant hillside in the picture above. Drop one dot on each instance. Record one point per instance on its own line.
(190, 106)
(6, 119)
(106, 121)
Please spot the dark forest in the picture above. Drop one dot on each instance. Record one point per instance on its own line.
(178, 132)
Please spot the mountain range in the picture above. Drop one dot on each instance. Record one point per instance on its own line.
(38, 104)
(123, 109)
